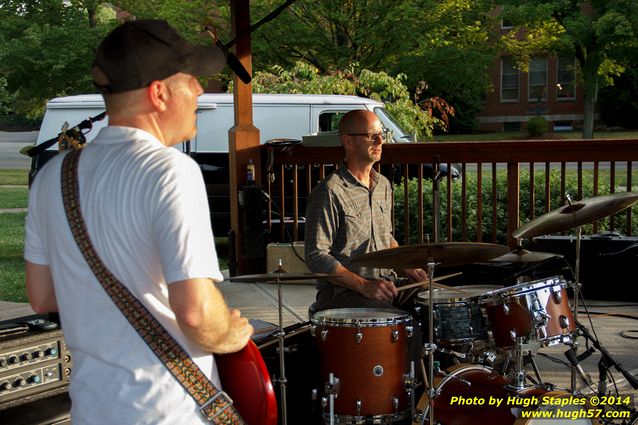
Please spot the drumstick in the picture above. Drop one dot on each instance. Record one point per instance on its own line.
(426, 282)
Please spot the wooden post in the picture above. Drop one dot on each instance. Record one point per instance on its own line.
(243, 137)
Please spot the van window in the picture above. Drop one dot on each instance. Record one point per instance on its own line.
(329, 121)
(390, 124)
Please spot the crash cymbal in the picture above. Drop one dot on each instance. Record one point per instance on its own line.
(445, 254)
(280, 277)
(576, 214)
(520, 255)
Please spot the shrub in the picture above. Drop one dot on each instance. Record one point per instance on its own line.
(537, 126)
(619, 222)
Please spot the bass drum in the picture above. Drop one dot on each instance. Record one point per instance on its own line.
(476, 384)
(570, 413)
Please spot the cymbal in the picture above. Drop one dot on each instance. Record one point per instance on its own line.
(520, 255)
(280, 277)
(579, 212)
(445, 253)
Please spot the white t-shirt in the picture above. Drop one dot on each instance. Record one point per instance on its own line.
(147, 214)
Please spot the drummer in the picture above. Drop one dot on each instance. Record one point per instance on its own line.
(349, 214)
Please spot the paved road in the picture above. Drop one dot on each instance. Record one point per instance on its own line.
(10, 145)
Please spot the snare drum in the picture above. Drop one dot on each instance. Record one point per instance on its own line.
(457, 318)
(535, 310)
(366, 349)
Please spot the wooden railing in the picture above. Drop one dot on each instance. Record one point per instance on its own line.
(596, 165)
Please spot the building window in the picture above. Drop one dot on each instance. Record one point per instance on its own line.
(509, 80)
(512, 126)
(538, 78)
(565, 78)
(506, 24)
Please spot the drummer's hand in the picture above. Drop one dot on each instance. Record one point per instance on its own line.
(416, 275)
(379, 290)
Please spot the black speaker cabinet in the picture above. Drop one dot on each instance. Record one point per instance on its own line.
(54, 410)
(607, 263)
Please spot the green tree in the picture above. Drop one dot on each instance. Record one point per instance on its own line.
(305, 78)
(331, 34)
(597, 33)
(46, 50)
(455, 48)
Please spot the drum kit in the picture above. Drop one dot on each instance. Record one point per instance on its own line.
(484, 333)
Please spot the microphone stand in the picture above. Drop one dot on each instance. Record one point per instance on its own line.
(606, 361)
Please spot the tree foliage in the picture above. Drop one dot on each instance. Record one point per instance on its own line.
(455, 48)
(331, 34)
(46, 49)
(305, 78)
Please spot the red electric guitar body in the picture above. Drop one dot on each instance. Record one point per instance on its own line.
(246, 380)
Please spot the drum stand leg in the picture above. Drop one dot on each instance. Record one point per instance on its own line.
(574, 371)
(282, 367)
(430, 346)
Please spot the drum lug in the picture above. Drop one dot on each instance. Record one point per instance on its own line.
(410, 331)
(359, 335)
(395, 335)
(564, 323)
(513, 334)
(506, 309)
(324, 334)
(359, 404)
(313, 330)
(395, 404)
(558, 296)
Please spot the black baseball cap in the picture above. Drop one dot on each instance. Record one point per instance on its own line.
(139, 52)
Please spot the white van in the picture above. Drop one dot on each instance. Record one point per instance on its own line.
(289, 116)
(277, 116)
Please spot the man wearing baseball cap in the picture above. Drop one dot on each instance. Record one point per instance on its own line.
(145, 210)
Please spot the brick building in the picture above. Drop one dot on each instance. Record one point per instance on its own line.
(548, 89)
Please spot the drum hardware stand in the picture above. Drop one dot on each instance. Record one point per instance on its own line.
(332, 389)
(523, 353)
(606, 362)
(574, 344)
(280, 335)
(430, 347)
(410, 385)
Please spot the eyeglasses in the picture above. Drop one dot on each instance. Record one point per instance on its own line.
(385, 135)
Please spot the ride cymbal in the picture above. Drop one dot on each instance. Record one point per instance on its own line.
(445, 254)
(576, 214)
(280, 277)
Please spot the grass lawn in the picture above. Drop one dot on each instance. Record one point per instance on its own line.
(12, 274)
(14, 177)
(11, 262)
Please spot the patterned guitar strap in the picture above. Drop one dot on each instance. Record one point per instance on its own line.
(215, 405)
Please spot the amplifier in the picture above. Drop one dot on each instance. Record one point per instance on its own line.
(33, 365)
(607, 263)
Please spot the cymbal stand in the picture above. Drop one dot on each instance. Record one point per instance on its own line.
(280, 335)
(574, 344)
(430, 347)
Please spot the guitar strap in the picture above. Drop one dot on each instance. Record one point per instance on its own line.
(215, 405)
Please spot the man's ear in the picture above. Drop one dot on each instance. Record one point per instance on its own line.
(345, 140)
(157, 93)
